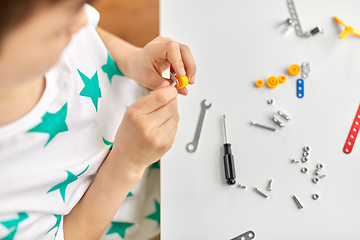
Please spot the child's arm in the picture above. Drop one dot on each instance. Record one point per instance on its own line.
(145, 65)
(146, 133)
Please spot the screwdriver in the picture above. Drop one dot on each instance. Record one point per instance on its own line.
(229, 165)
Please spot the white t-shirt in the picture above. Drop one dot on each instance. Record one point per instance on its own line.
(49, 157)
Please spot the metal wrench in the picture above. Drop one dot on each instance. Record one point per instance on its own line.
(192, 146)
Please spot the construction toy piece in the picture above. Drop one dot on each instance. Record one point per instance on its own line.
(354, 130)
(259, 83)
(348, 30)
(300, 88)
(182, 81)
(294, 70)
(272, 82)
(282, 79)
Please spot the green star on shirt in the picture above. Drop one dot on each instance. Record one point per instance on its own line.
(63, 185)
(155, 165)
(57, 224)
(119, 228)
(13, 224)
(108, 143)
(110, 68)
(52, 123)
(156, 215)
(91, 88)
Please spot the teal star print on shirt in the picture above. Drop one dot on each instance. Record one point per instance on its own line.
(155, 165)
(156, 215)
(52, 124)
(63, 185)
(57, 224)
(110, 68)
(91, 88)
(13, 224)
(108, 143)
(119, 228)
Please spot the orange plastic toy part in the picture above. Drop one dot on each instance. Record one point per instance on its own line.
(348, 30)
(282, 79)
(272, 82)
(183, 80)
(294, 70)
(259, 83)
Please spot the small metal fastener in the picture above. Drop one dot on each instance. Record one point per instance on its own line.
(295, 161)
(317, 172)
(322, 176)
(297, 202)
(304, 170)
(262, 126)
(315, 180)
(270, 185)
(306, 149)
(278, 122)
(305, 70)
(261, 193)
(304, 159)
(241, 186)
(270, 101)
(319, 166)
(306, 154)
(284, 115)
(315, 196)
(316, 30)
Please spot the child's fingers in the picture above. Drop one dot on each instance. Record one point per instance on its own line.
(161, 115)
(189, 62)
(156, 99)
(168, 127)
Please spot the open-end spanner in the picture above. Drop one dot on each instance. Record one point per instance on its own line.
(191, 147)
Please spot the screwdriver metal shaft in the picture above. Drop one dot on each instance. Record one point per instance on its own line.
(229, 164)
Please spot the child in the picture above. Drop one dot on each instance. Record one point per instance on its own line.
(66, 162)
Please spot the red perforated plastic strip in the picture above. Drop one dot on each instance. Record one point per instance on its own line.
(354, 130)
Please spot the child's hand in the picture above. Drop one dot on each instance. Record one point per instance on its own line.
(147, 65)
(148, 128)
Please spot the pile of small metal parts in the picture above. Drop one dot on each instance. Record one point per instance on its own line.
(317, 173)
(294, 22)
(261, 193)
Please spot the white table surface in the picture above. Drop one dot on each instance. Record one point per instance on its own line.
(236, 42)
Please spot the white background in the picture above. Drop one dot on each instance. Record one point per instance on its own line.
(235, 43)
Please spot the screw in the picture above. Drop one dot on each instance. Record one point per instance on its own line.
(297, 202)
(241, 186)
(317, 172)
(270, 185)
(295, 161)
(322, 176)
(261, 193)
(262, 126)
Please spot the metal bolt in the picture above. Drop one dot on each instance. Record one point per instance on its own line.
(297, 202)
(295, 161)
(317, 172)
(304, 170)
(315, 196)
(304, 159)
(270, 101)
(322, 176)
(262, 126)
(261, 193)
(270, 185)
(241, 186)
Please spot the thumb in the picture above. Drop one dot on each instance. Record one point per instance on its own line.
(162, 85)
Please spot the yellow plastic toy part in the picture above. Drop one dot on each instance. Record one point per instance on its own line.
(183, 81)
(294, 70)
(348, 30)
(272, 82)
(259, 83)
(282, 79)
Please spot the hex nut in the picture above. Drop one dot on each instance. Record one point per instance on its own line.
(315, 180)
(306, 154)
(319, 166)
(306, 149)
(270, 101)
(304, 170)
(315, 196)
(304, 159)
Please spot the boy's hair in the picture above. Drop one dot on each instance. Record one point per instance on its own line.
(15, 12)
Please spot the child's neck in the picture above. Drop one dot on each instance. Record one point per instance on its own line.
(17, 101)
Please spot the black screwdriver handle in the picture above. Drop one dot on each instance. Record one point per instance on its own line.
(229, 165)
